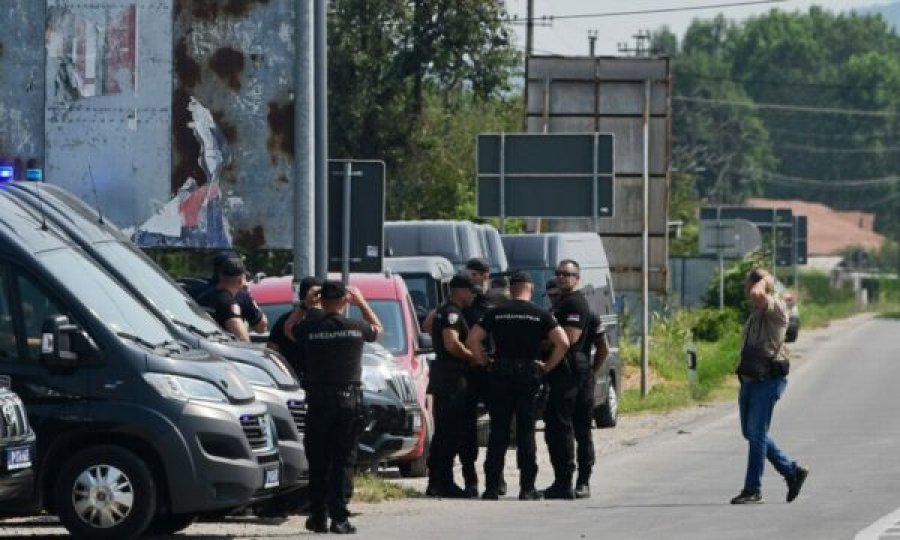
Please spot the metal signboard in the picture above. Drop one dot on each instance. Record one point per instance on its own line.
(766, 219)
(800, 239)
(732, 238)
(629, 98)
(365, 243)
(545, 175)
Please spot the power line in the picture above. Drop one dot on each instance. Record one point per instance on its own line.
(658, 10)
(781, 179)
(770, 82)
(783, 107)
(836, 149)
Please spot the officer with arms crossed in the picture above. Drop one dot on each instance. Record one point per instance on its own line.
(447, 383)
(568, 382)
(517, 328)
(333, 347)
(281, 338)
(250, 312)
(222, 301)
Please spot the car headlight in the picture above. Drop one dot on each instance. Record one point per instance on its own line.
(280, 363)
(255, 375)
(374, 378)
(184, 388)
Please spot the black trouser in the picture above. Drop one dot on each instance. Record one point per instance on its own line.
(513, 392)
(330, 441)
(582, 422)
(448, 426)
(477, 390)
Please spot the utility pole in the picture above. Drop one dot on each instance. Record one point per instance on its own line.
(529, 49)
(304, 127)
(641, 45)
(320, 13)
(592, 40)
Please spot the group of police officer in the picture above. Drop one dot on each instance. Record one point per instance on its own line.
(500, 352)
(493, 346)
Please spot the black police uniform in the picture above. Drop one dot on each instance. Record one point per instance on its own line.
(447, 383)
(583, 412)
(517, 328)
(333, 347)
(221, 304)
(291, 350)
(250, 311)
(572, 311)
(477, 390)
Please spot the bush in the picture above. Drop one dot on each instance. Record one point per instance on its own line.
(715, 324)
(734, 284)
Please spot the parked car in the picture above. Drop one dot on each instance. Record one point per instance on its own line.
(425, 277)
(273, 381)
(119, 404)
(539, 255)
(790, 301)
(389, 297)
(392, 419)
(16, 451)
(457, 241)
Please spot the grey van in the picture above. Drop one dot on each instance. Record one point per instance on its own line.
(539, 254)
(425, 277)
(457, 241)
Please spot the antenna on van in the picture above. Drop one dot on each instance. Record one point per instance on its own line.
(41, 206)
(96, 198)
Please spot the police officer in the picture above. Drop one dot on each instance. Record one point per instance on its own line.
(333, 347)
(250, 312)
(281, 337)
(568, 381)
(447, 383)
(517, 327)
(479, 272)
(583, 413)
(222, 300)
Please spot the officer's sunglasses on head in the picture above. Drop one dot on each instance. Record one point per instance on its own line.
(561, 273)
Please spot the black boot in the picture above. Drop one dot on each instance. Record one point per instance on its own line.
(342, 527)
(559, 491)
(583, 486)
(470, 477)
(317, 522)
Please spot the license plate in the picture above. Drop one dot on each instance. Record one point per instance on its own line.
(18, 458)
(271, 478)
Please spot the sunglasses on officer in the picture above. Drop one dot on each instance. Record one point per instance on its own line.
(563, 273)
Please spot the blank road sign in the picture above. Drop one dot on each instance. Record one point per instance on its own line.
(366, 214)
(545, 175)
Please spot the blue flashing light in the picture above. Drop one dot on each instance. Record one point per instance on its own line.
(7, 173)
(34, 175)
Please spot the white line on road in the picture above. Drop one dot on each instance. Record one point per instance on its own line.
(880, 527)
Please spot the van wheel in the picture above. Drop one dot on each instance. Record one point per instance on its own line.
(607, 415)
(105, 492)
(168, 524)
(417, 468)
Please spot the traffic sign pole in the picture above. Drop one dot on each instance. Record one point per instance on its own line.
(645, 250)
(503, 183)
(345, 234)
(721, 250)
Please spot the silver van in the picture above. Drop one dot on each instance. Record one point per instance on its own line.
(457, 241)
(425, 277)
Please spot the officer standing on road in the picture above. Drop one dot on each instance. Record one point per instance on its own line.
(571, 386)
(281, 338)
(476, 375)
(517, 327)
(447, 383)
(222, 300)
(333, 347)
(250, 312)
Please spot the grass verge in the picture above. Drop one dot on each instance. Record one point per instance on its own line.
(370, 488)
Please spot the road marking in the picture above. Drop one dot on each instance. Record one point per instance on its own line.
(884, 528)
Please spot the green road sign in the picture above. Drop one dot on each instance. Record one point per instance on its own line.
(366, 242)
(545, 175)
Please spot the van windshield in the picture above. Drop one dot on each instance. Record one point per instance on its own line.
(103, 296)
(157, 287)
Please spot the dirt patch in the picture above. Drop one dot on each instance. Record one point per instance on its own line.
(281, 130)
(631, 377)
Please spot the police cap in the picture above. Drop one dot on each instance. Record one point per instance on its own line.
(460, 281)
(520, 277)
(479, 265)
(232, 267)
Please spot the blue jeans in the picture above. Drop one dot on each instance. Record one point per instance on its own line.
(757, 401)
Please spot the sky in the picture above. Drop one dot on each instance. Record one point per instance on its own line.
(570, 37)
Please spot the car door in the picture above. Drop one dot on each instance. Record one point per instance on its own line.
(54, 398)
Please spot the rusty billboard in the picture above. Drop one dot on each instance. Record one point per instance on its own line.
(175, 117)
(606, 94)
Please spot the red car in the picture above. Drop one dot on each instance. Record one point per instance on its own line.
(389, 297)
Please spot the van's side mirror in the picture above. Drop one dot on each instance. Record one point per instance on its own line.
(56, 342)
(424, 344)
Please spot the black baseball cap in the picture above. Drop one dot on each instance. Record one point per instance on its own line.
(232, 267)
(333, 290)
(478, 264)
(520, 277)
(460, 281)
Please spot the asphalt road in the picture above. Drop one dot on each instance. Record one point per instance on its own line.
(840, 416)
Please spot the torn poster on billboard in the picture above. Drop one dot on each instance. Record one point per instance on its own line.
(95, 50)
(195, 216)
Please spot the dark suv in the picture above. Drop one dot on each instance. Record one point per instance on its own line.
(16, 449)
